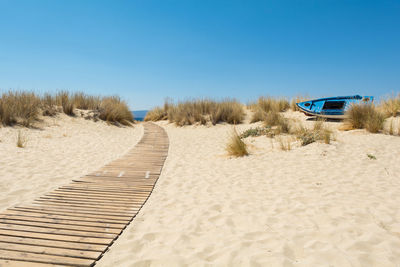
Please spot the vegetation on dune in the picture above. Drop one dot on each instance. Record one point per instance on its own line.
(365, 116)
(318, 133)
(236, 147)
(198, 111)
(265, 105)
(113, 109)
(391, 106)
(19, 107)
(23, 108)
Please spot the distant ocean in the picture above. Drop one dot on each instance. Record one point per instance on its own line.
(139, 114)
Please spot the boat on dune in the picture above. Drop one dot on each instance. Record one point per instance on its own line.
(332, 107)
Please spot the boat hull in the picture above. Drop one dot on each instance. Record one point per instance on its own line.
(333, 107)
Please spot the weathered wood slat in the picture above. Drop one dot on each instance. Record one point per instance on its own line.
(53, 251)
(89, 229)
(74, 224)
(43, 258)
(51, 243)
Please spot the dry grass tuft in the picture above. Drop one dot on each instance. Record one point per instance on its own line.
(285, 143)
(114, 110)
(391, 106)
(19, 107)
(21, 140)
(156, 114)
(265, 105)
(199, 111)
(365, 116)
(86, 102)
(236, 147)
(65, 100)
(276, 119)
(318, 133)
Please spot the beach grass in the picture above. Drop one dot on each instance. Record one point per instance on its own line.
(391, 106)
(200, 111)
(23, 108)
(265, 105)
(365, 116)
(19, 108)
(236, 147)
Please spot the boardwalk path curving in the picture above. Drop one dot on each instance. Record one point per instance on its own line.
(76, 223)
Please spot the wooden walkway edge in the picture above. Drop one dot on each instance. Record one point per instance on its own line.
(75, 224)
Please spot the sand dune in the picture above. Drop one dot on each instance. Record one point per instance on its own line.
(318, 205)
(61, 149)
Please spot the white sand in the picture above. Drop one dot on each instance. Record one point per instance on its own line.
(62, 149)
(318, 205)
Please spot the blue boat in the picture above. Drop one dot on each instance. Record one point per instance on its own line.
(332, 107)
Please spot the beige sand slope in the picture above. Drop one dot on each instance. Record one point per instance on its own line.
(319, 205)
(61, 149)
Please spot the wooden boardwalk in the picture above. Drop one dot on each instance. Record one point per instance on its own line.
(76, 223)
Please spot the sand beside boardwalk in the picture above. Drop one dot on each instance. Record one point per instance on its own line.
(61, 149)
(318, 205)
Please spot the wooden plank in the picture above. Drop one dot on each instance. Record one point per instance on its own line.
(96, 200)
(63, 226)
(67, 220)
(52, 243)
(69, 238)
(143, 188)
(47, 230)
(62, 191)
(68, 212)
(51, 251)
(41, 258)
(81, 195)
(82, 212)
(13, 263)
(89, 207)
(97, 204)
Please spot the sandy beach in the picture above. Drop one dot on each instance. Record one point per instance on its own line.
(317, 205)
(59, 150)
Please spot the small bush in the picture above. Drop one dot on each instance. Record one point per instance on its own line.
(274, 118)
(265, 105)
(64, 100)
(366, 116)
(391, 106)
(255, 132)
(236, 147)
(318, 133)
(374, 123)
(19, 107)
(258, 115)
(156, 114)
(86, 102)
(285, 144)
(113, 109)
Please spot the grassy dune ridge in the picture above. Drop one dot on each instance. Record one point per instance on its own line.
(24, 108)
(201, 111)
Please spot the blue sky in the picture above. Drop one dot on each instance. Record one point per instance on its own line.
(147, 50)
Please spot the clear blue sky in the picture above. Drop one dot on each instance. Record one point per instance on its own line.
(148, 50)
